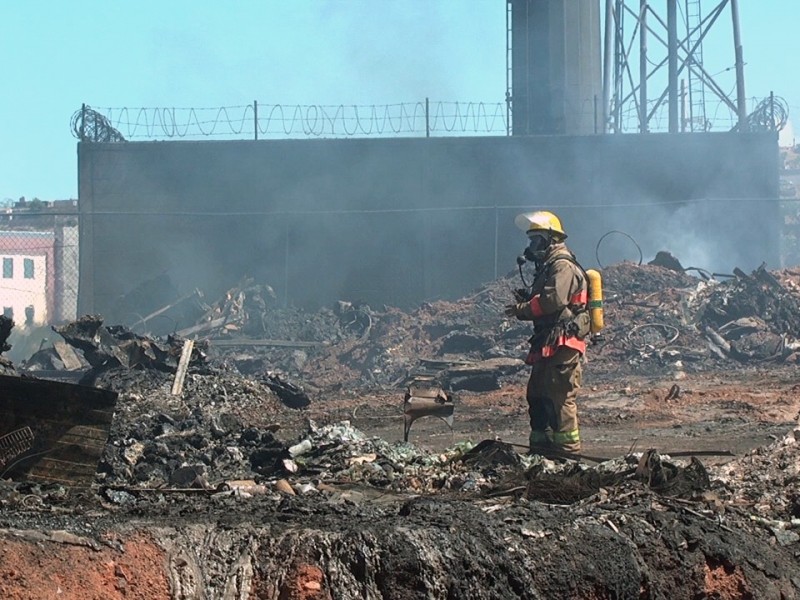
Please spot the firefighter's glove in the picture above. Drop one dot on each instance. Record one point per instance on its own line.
(522, 294)
(515, 310)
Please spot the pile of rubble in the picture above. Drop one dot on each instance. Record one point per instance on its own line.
(210, 451)
(658, 319)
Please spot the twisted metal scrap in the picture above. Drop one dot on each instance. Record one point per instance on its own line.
(88, 125)
(667, 335)
(605, 235)
(15, 443)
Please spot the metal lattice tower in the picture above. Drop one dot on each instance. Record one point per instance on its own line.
(647, 67)
(696, 119)
(509, 65)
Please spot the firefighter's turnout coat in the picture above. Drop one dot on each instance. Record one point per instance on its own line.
(561, 323)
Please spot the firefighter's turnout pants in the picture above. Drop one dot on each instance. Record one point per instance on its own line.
(552, 389)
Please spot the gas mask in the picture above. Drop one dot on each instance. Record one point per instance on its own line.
(538, 246)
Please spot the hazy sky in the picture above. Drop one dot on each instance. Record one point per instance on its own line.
(191, 53)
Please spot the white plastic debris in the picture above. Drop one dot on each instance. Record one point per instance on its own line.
(301, 448)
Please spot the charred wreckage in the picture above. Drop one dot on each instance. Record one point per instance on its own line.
(235, 450)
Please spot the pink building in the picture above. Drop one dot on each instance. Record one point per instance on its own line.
(27, 276)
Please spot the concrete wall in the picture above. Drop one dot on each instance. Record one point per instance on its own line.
(399, 221)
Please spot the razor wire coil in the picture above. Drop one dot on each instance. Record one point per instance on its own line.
(282, 120)
(277, 121)
(767, 114)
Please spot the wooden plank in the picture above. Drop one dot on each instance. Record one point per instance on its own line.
(264, 342)
(183, 366)
(67, 355)
(202, 327)
(77, 474)
(152, 315)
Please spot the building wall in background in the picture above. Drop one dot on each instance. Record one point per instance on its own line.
(400, 221)
(27, 288)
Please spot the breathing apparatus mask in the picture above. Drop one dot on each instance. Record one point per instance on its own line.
(539, 243)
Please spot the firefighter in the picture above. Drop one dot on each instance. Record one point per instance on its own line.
(556, 302)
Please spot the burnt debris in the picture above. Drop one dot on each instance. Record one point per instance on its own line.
(207, 437)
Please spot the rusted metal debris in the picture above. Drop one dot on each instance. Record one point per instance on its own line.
(290, 394)
(657, 316)
(424, 399)
(15, 443)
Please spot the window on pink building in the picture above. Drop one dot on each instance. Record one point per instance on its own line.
(8, 268)
(27, 267)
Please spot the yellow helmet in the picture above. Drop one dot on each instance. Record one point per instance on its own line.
(541, 220)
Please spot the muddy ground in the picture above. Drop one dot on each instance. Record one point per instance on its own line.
(226, 491)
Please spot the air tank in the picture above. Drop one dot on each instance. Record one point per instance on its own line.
(555, 66)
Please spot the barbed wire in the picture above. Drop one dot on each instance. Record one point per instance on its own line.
(442, 118)
(181, 122)
(771, 114)
(281, 120)
(339, 120)
(765, 114)
(89, 125)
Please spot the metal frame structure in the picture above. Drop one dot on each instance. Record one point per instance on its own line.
(623, 90)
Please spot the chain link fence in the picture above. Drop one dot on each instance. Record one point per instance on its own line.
(39, 256)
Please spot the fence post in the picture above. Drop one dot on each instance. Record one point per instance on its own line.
(83, 120)
(255, 118)
(427, 119)
(772, 124)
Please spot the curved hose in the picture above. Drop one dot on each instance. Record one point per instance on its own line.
(605, 235)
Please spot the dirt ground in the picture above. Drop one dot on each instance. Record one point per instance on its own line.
(40, 568)
(733, 411)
